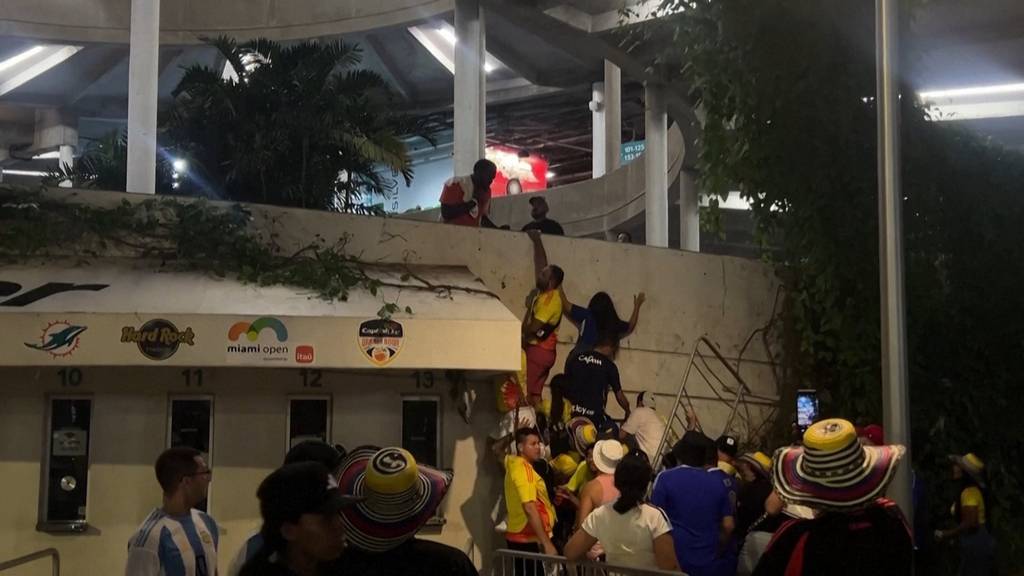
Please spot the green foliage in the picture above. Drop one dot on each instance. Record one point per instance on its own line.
(102, 165)
(299, 127)
(785, 88)
(181, 235)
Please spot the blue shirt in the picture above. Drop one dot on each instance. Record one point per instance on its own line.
(584, 318)
(174, 546)
(695, 502)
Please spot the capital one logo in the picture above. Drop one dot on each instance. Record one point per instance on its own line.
(27, 297)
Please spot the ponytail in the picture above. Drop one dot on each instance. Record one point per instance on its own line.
(632, 476)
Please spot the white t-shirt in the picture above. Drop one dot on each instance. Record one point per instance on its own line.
(628, 539)
(648, 427)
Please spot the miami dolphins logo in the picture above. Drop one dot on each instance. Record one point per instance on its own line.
(59, 339)
(252, 331)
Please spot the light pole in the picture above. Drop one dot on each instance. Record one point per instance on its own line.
(895, 394)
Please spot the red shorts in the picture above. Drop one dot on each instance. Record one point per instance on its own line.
(538, 364)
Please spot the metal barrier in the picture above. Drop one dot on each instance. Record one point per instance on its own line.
(49, 552)
(513, 563)
(676, 426)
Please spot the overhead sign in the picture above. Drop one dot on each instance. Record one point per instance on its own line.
(111, 315)
(632, 150)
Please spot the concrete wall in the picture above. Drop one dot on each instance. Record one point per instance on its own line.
(184, 21)
(129, 429)
(689, 295)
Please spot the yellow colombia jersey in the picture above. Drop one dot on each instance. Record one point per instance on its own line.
(547, 307)
(523, 484)
(972, 497)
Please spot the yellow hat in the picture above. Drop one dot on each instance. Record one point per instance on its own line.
(972, 465)
(761, 462)
(565, 464)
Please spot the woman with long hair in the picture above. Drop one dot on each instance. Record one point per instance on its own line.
(977, 547)
(633, 533)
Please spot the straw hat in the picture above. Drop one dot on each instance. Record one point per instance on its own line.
(400, 496)
(607, 455)
(582, 434)
(972, 465)
(760, 462)
(832, 470)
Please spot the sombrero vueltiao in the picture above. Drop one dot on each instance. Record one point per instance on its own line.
(972, 465)
(400, 496)
(582, 434)
(833, 471)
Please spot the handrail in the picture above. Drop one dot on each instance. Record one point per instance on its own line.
(49, 552)
(504, 564)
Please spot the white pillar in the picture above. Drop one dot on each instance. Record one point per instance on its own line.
(656, 167)
(470, 86)
(612, 116)
(598, 145)
(67, 159)
(143, 75)
(689, 212)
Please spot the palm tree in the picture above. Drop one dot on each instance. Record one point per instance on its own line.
(296, 125)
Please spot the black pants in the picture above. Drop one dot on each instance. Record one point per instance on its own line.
(522, 566)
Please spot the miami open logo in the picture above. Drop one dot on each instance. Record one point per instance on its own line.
(263, 340)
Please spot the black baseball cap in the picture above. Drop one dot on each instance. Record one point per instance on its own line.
(301, 488)
(728, 445)
(537, 198)
(316, 451)
(692, 448)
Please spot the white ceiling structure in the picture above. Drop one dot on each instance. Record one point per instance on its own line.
(57, 68)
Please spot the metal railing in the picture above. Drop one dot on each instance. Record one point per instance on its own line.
(48, 553)
(676, 425)
(513, 563)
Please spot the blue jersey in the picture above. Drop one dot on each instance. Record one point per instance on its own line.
(695, 502)
(245, 553)
(174, 546)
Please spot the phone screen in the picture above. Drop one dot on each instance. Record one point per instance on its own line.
(806, 408)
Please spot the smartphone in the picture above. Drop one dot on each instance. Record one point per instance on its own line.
(806, 408)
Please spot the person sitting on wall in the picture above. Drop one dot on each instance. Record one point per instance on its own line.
(309, 451)
(466, 200)
(540, 325)
(302, 531)
(176, 539)
(400, 497)
(539, 212)
(592, 374)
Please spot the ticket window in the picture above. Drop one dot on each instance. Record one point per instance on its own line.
(66, 470)
(421, 428)
(190, 424)
(309, 418)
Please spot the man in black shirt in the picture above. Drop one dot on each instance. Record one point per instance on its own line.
(592, 373)
(539, 211)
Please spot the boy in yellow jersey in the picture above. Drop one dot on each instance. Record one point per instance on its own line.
(531, 516)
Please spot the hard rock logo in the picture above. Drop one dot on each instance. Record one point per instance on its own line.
(158, 339)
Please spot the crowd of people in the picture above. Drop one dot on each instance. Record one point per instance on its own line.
(325, 511)
(577, 482)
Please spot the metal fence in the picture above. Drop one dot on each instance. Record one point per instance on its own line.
(512, 563)
(50, 553)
